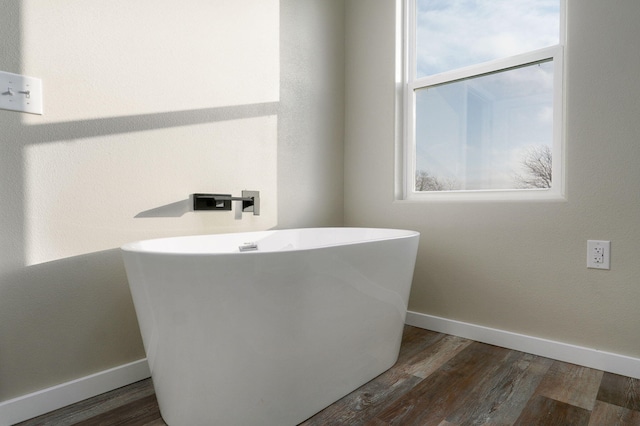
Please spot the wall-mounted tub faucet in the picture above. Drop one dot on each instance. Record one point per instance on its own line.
(250, 201)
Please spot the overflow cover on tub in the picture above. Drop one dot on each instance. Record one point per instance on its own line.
(248, 246)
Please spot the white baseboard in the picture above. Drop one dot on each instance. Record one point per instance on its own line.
(587, 357)
(46, 400)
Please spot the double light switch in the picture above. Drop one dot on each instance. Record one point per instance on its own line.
(20, 93)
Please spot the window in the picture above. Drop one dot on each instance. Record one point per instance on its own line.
(483, 98)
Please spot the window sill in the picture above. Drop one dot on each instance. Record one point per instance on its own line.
(529, 195)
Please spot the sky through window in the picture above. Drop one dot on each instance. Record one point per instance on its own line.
(457, 33)
(474, 133)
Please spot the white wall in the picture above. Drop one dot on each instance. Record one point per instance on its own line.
(311, 120)
(517, 266)
(146, 102)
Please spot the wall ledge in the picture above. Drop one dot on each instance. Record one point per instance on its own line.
(35, 404)
(587, 357)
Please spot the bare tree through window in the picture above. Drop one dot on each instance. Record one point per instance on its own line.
(537, 168)
(425, 181)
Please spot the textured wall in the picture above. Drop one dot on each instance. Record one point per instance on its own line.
(517, 266)
(146, 102)
(311, 122)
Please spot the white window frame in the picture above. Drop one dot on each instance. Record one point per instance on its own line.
(409, 84)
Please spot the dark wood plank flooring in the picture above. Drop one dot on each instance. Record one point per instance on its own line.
(438, 380)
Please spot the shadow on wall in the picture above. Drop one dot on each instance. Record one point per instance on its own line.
(53, 132)
(67, 318)
(177, 209)
(37, 301)
(36, 134)
(41, 308)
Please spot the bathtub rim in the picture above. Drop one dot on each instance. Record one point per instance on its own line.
(145, 246)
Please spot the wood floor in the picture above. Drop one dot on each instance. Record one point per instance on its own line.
(438, 380)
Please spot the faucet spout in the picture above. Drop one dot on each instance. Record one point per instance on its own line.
(250, 201)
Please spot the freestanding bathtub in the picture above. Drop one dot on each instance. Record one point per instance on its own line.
(268, 328)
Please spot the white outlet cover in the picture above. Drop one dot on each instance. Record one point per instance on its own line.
(594, 249)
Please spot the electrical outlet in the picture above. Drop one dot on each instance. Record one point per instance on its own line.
(598, 254)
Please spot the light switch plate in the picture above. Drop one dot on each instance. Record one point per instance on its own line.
(20, 93)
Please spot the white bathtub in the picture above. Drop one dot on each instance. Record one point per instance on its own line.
(274, 335)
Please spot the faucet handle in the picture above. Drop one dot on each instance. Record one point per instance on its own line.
(251, 206)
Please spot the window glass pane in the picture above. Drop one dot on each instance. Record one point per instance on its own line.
(452, 34)
(489, 132)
